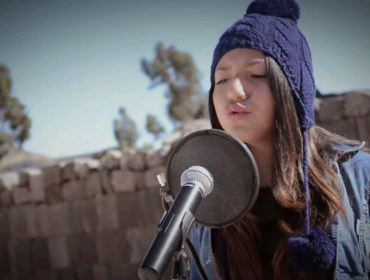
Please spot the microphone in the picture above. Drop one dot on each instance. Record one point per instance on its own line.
(219, 162)
(196, 183)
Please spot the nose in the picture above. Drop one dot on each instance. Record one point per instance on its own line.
(236, 90)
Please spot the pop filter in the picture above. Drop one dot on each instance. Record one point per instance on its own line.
(236, 179)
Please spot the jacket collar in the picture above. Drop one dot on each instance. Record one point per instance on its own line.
(344, 149)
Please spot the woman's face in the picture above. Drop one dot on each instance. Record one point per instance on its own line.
(242, 97)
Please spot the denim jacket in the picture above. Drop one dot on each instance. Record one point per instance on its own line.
(352, 238)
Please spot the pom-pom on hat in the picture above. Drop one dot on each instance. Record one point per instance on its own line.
(271, 27)
(282, 9)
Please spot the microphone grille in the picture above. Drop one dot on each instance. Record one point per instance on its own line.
(201, 175)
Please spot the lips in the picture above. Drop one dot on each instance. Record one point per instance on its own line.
(236, 111)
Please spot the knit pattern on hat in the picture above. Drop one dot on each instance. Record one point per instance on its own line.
(281, 39)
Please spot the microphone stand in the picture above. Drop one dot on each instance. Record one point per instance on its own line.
(181, 266)
(181, 263)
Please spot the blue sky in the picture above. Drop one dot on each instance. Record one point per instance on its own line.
(74, 63)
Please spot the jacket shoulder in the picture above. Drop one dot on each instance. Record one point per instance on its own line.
(358, 167)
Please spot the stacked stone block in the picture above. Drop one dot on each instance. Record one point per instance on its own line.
(347, 114)
(86, 219)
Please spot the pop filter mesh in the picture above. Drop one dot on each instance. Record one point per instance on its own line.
(236, 181)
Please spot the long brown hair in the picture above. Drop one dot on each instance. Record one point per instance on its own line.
(243, 238)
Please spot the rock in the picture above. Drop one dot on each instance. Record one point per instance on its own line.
(125, 159)
(92, 164)
(130, 213)
(165, 151)
(54, 194)
(195, 125)
(106, 209)
(36, 184)
(150, 199)
(83, 166)
(4, 227)
(81, 249)
(105, 181)
(79, 168)
(6, 199)
(184, 130)
(154, 158)
(112, 247)
(363, 128)
(68, 171)
(331, 109)
(59, 219)
(92, 185)
(137, 162)
(140, 180)
(49, 274)
(357, 104)
(75, 216)
(111, 160)
(139, 242)
(52, 176)
(151, 180)
(38, 221)
(18, 222)
(173, 138)
(84, 271)
(40, 255)
(123, 181)
(58, 252)
(88, 215)
(72, 190)
(21, 195)
(9, 179)
(100, 272)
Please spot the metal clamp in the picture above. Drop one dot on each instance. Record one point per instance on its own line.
(164, 192)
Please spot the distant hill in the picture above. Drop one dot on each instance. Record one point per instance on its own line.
(16, 159)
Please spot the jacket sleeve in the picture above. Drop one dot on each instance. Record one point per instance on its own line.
(368, 228)
(195, 240)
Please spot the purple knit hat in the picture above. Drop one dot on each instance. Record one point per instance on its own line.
(271, 27)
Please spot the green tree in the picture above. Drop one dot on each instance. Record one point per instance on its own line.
(177, 71)
(15, 124)
(125, 130)
(153, 126)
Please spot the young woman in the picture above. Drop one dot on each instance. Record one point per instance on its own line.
(311, 219)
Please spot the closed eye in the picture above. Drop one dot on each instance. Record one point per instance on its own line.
(259, 76)
(221, 81)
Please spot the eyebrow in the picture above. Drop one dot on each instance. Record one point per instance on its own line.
(251, 62)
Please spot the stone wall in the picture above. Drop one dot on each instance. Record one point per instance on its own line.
(347, 114)
(86, 219)
(95, 219)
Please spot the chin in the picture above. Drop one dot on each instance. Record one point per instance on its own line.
(241, 134)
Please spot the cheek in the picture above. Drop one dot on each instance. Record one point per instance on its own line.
(218, 101)
(268, 107)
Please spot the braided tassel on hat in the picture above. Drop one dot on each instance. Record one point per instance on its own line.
(313, 250)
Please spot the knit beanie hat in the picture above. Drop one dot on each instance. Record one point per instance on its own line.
(271, 27)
